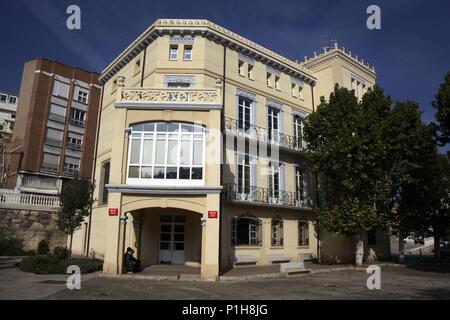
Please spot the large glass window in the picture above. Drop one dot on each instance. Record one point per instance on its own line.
(244, 114)
(160, 152)
(298, 131)
(274, 180)
(246, 230)
(303, 233)
(277, 231)
(273, 124)
(61, 89)
(301, 184)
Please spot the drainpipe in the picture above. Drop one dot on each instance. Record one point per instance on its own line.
(316, 185)
(94, 168)
(222, 130)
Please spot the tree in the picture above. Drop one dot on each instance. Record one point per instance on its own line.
(442, 105)
(411, 151)
(344, 146)
(76, 199)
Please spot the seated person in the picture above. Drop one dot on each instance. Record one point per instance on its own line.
(131, 263)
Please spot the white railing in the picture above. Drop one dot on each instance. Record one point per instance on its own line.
(30, 200)
(46, 183)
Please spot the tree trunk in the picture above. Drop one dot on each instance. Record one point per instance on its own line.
(359, 252)
(401, 248)
(437, 245)
(70, 247)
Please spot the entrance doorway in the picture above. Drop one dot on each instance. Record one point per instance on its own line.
(172, 239)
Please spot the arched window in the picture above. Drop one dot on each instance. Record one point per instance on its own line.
(277, 231)
(303, 233)
(166, 154)
(246, 230)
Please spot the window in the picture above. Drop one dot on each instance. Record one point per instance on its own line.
(277, 231)
(173, 53)
(302, 185)
(81, 95)
(244, 114)
(273, 124)
(187, 53)
(77, 117)
(57, 113)
(12, 100)
(3, 98)
(137, 66)
(178, 85)
(54, 138)
(50, 162)
(74, 143)
(250, 72)
(114, 86)
(269, 79)
(241, 67)
(71, 168)
(104, 180)
(61, 89)
(303, 233)
(165, 153)
(246, 230)
(243, 174)
(300, 92)
(299, 123)
(274, 180)
(277, 83)
(294, 90)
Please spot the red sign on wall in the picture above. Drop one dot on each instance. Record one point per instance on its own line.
(113, 212)
(213, 214)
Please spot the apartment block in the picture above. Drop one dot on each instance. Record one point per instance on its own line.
(54, 134)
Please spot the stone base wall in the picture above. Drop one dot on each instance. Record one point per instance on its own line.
(32, 226)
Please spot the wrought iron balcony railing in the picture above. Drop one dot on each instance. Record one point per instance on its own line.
(74, 146)
(77, 122)
(274, 137)
(236, 193)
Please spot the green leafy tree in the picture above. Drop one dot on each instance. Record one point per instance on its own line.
(411, 150)
(76, 200)
(442, 105)
(344, 146)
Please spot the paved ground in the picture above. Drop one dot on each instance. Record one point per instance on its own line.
(397, 283)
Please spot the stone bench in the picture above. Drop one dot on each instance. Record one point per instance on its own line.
(277, 258)
(304, 257)
(243, 260)
(293, 268)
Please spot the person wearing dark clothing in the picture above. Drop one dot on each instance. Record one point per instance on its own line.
(131, 263)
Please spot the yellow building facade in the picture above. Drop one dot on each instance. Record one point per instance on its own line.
(199, 150)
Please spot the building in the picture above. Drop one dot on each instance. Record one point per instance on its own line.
(8, 108)
(54, 133)
(199, 150)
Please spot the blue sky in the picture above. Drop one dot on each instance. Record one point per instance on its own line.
(411, 52)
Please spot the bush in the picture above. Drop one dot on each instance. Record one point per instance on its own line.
(43, 247)
(10, 245)
(50, 264)
(61, 253)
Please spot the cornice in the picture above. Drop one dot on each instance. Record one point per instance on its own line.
(213, 32)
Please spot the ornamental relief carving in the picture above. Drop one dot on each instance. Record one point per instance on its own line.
(170, 96)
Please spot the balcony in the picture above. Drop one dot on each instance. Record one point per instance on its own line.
(53, 142)
(74, 146)
(36, 182)
(33, 200)
(173, 98)
(255, 132)
(77, 122)
(50, 167)
(256, 195)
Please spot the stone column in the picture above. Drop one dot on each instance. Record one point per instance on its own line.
(210, 240)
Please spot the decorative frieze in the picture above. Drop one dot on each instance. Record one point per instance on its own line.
(173, 96)
(189, 40)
